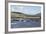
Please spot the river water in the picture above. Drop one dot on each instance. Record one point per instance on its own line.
(28, 23)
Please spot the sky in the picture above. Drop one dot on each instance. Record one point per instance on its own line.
(30, 10)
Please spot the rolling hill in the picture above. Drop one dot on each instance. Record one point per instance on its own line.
(22, 15)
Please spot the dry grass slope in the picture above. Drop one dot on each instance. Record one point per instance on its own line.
(21, 15)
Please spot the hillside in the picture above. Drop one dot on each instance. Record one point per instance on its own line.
(21, 15)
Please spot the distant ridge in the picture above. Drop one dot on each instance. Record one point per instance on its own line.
(18, 14)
